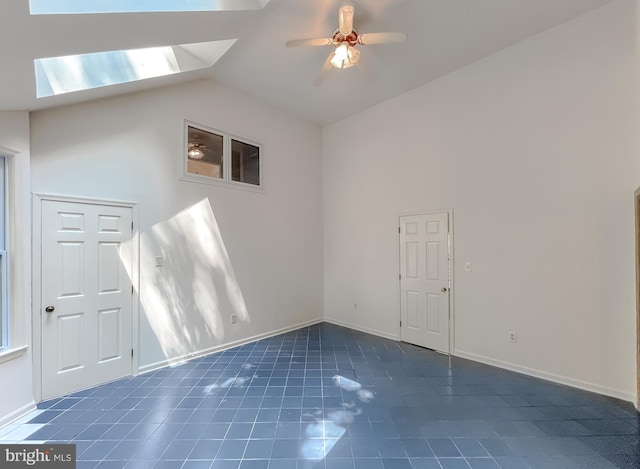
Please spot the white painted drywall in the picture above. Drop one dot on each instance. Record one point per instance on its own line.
(536, 150)
(258, 255)
(16, 393)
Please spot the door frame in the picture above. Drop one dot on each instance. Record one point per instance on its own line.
(451, 323)
(36, 291)
(636, 204)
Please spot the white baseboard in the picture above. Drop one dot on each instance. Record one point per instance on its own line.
(220, 348)
(16, 414)
(368, 330)
(574, 383)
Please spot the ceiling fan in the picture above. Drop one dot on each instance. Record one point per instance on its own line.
(346, 38)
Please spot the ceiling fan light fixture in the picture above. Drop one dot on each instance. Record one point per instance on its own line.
(196, 152)
(345, 56)
(345, 39)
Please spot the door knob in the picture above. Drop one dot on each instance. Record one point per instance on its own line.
(444, 289)
(49, 309)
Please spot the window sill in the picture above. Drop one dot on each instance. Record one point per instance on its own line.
(12, 354)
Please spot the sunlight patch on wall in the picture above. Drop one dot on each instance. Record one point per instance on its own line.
(56, 7)
(187, 301)
(67, 74)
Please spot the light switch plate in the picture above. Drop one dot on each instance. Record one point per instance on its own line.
(468, 267)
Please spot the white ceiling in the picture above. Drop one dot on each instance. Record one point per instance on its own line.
(444, 35)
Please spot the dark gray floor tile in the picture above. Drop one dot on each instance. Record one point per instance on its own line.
(203, 464)
(444, 448)
(575, 462)
(425, 463)
(225, 464)
(97, 451)
(511, 462)
(258, 449)
(470, 447)
(396, 463)
(112, 465)
(482, 463)
(276, 403)
(417, 448)
(391, 448)
(124, 450)
(254, 464)
(496, 447)
(453, 463)
(288, 448)
(563, 428)
(204, 449)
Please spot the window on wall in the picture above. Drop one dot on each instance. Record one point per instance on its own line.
(245, 162)
(4, 320)
(205, 153)
(71, 73)
(57, 7)
(211, 156)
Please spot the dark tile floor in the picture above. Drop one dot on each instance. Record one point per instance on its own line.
(329, 397)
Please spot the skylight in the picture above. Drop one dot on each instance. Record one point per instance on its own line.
(59, 75)
(56, 7)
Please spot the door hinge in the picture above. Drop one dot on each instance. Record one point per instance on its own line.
(131, 353)
(399, 230)
(400, 277)
(400, 323)
(131, 226)
(132, 289)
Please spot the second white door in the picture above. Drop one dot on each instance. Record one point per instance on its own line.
(424, 280)
(86, 295)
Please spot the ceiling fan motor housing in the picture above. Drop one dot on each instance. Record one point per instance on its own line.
(339, 38)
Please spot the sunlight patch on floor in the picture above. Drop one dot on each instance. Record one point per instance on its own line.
(323, 434)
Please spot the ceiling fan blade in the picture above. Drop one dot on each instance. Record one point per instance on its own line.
(321, 41)
(381, 38)
(346, 20)
(326, 68)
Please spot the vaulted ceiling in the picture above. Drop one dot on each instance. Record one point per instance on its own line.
(443, 35)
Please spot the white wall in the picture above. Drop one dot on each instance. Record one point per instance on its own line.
(17, 397)
(225, 251)
(536, 149)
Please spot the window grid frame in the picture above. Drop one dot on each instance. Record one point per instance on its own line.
(5, 337)
(246, 185)
(227, 177)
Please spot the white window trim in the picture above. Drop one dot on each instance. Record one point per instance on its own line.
(5, 323)
(5, 336)
(226, 180)
(182, 158)
(17, 342)
(245, 185)
(12, 353)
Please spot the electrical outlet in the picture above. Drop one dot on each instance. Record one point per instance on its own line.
(159, 261)
(234, 318)
(513, 337)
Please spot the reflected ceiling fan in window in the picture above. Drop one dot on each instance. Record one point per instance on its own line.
(345, 40)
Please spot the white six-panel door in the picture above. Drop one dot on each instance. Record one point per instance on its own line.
(86, 295)
(424, 280)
